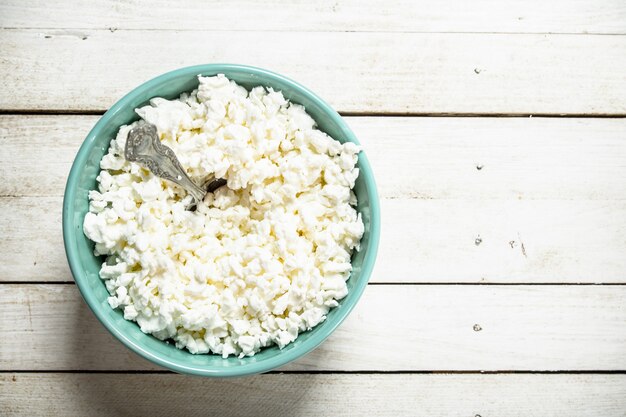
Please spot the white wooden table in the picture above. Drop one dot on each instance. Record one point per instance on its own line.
(497, 131)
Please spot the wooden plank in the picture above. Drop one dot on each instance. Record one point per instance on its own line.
(577, 159)
(413, 328)
(313, 395)
(519, 241)
(415, 157)
(496, 158)
(536, 16)
(502, 242)
(31, 248)
(369, 72)
(38, 151)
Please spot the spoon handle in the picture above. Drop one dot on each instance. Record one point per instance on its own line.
(143, 146)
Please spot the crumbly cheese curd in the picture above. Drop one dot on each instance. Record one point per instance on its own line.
(260, 260)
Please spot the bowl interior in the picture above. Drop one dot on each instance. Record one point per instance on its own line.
(85, 266)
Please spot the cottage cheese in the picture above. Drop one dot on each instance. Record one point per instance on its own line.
(259, 261)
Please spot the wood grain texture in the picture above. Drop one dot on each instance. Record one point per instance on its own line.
(277, 395)
(412, 157)
(534, 16)
(421, 73)
(540, 241)
(38, 151)
(411, 328)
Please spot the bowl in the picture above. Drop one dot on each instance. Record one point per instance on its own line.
(85, 265)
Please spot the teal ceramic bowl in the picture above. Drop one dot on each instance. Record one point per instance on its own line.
(85, 265)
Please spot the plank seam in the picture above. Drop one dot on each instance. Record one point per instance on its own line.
(100, 112)
(113, 29)
(339, 372)
(391, 197)
(391, 284)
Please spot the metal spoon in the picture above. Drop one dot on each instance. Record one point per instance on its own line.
(144, 147)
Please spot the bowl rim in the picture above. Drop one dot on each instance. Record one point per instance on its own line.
(70, 243)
